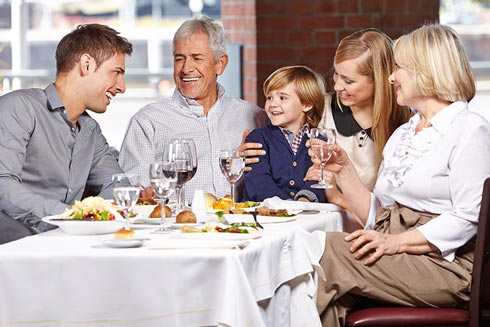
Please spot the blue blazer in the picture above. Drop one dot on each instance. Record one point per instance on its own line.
(279, 172)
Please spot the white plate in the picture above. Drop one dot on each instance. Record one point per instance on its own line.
(180, 225)
(133, 243)
(248, 218)
(143, 210)
(217, 236)
(156, 221)
(85, 227)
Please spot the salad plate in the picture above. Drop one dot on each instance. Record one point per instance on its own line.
(85, 227)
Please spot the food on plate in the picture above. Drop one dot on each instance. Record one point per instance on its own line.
(91, 208)
(186, 217)
(146, 201)
(210, 200)
(157, 212)
(273, 212)
(222, 203)
(247, 204)
(124, 234)
(240, 228)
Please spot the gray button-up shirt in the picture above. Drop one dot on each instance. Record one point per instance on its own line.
(45, 161)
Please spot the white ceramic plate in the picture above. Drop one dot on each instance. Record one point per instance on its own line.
(217, 236)
(179, 226)
(247, 218)
(85, 227)
(143, 210)
(156, 221)
(133, 243)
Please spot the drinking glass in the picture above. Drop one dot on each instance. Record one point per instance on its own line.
(163, 178)
(126, 190)
(179, 152)
(322, 141)
(232, 164)
(192, 147)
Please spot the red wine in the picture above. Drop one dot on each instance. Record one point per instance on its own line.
(193, 172)
(183, 176)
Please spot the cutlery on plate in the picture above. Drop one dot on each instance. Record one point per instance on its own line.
(254, 214)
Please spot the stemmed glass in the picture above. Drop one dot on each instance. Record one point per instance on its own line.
(163, 178)
(179, 152)
(193, 149)
(322, 141)
(126, 190)
(232, 164)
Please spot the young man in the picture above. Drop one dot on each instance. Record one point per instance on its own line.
(52, 150)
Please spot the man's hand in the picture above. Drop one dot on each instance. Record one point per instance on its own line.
(252, 151)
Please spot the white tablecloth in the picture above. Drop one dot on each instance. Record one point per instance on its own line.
(56, 279)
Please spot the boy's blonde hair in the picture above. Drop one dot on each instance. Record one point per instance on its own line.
(308, 85)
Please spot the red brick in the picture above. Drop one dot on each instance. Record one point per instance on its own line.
(270, 7)
(322, 6)
(277, 23)
(347, 6)
(271, 37)
(372, 6)
(298, 7)
(325, 38)
(359, 21)
(324, 21)
(396, 6)
(300, 38)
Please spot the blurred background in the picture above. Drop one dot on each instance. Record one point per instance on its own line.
(31, 29)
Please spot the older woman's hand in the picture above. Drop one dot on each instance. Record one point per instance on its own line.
(252, 151)
(372, 245)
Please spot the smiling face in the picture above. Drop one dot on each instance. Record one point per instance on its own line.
(354, 90)
(104, 82)
(195, 69)
(284, 108)
(406, 90)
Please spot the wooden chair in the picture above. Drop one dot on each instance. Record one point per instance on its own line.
(478, 314)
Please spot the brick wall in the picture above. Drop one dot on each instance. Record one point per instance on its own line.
(276, 33)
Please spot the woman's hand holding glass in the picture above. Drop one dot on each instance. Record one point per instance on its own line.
(126, 189)
(163, 179)
(322, 141)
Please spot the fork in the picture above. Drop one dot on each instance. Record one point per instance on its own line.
(254, 214)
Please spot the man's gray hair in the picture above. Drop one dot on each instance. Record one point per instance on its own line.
(207, 26)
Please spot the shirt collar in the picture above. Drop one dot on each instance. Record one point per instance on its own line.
(344, 121)
(443, 119)
(304, 129)
(192, 104)
(54, 100)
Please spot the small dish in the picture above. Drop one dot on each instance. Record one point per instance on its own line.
(156, 221)
(131, 243)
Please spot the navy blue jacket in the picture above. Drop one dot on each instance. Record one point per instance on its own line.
(280, 172)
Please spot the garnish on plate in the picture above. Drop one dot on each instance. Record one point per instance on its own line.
(91, 208)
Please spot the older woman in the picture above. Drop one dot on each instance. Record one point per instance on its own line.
(416, 248)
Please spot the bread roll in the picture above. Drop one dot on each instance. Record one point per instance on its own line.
(157, 212)
(124, 234)
(186, 217)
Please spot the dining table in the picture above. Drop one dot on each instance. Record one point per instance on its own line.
(60, 279)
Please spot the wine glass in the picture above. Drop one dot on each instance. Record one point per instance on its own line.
(180, 153)
(232, 164)
(192, 147)
(126, 190)
(322, 141)
(163, 178)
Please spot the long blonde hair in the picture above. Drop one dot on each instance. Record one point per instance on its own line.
(375, 49)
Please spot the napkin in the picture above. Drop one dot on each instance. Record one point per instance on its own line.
(277, 203)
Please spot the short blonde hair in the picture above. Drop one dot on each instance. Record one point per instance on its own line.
(308, 85)
(436, 57)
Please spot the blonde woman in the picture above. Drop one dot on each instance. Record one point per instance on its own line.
(363, 108)
(416, 248)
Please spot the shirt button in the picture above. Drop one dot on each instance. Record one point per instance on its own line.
(291, 182)
(73, 129)
(295, 163)
(292, 194)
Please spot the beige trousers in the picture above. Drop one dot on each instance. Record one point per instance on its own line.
(402, 279)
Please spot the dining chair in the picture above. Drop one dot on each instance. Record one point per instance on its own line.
(478, 314)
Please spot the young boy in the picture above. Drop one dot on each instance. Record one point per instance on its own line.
(294, 104)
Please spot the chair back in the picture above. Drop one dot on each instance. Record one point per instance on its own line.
(480, 288)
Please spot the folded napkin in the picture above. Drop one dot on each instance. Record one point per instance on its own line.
(277, 203)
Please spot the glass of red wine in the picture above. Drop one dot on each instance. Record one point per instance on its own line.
(180, 153)
(192, 146)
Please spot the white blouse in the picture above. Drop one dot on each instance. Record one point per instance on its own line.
(440, 170)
